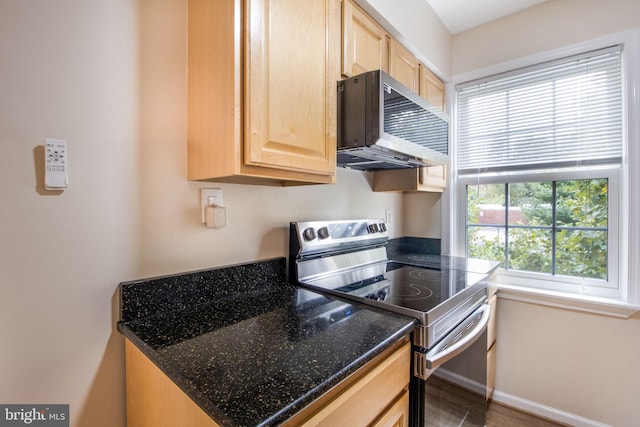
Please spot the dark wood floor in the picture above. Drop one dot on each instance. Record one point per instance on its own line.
(502, 416)
(448, 405)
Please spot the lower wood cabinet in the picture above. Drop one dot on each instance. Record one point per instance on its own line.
(375, 395)
(397, 415)
(153, 400)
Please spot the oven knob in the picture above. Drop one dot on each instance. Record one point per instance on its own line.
(382, 295)
(309, 234)
(383, 227)
(373, 228)
(323, 233)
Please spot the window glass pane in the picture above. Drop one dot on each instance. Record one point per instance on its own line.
(582, 253)
(486, 243)
(530, 250)
(485, 204)
(531, 203)
(582, 203)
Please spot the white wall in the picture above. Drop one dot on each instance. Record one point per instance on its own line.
(576, 363)
(68, 69)
(550, 25)
(110, 77)
(422, 215)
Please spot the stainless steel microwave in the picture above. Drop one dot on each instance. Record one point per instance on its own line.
(382, 124)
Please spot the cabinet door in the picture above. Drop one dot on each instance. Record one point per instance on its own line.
(404, 66)
(429, 179)
(432, 88)
(491, 371)
(364, 42)
(397, 415)
(292, 57)
(153, 400)
(492, 328)
(433, 178)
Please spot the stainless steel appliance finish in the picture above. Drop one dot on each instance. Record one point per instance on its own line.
(384, 125)
(348, 259)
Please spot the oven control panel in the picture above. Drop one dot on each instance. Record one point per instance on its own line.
(321, 236)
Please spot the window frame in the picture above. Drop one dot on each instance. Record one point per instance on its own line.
(599, 288)
(626, 299)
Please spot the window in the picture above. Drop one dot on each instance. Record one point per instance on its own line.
(558, 228)
(539, 158)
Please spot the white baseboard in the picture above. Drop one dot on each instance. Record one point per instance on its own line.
(545, 411)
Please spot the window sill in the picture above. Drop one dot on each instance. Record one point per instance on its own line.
(608, 307)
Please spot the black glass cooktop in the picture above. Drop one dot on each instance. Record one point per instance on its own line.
(416, 290)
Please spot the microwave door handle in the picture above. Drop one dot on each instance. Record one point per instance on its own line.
(463, 337)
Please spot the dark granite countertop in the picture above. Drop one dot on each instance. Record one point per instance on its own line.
(248, 348)
(426, 252)
(471, 265)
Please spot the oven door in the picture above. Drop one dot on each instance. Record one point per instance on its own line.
(450, 380)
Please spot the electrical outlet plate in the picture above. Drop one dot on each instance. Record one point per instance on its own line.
(205, 193)
(387, 216)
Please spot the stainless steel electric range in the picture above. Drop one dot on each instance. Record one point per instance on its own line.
(348, 259)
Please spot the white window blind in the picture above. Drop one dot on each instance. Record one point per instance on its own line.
(564, 113)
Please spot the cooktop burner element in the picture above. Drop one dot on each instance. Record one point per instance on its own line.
(410, 291)
(420, 274)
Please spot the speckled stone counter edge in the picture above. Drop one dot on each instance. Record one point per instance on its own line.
(154, 296)
(287, 412)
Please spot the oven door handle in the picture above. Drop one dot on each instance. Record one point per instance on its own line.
(461, 338)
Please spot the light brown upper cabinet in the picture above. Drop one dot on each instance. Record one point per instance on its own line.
(431, 88)
(431, 179)
(262, 90)
(364, 42)
(404, 66)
